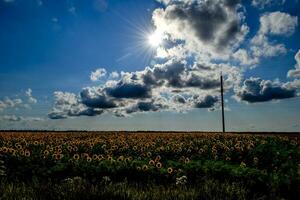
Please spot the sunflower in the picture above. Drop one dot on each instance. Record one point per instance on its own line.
(121, 158)
(95, 157)
(89, 159)
(18, 146)
(157, 159)
(4, 149)
(69, 148)
(170, 170)
(101, 157)
(109, 158)
(27, 153)
(158, 165)
(145, 168)
(76, 157)
(10, 150)
(46, 152)
(187, 160)
(22, 152)
(13, 152)
(151, 162)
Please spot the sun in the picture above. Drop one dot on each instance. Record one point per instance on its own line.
(155, 39)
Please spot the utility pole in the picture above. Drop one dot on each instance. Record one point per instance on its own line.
(222, 102)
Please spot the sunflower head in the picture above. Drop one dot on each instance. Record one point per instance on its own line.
(158, 165)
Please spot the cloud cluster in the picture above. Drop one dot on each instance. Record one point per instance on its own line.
(274, 23)
(258, 90)
(166, 86)
(10, 103)
(271, 24)
(211, 27)
(23, 102)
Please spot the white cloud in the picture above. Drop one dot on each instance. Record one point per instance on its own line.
(278, 23)
(16, 103)
(274, 23)
(295, 73)
(96, 75)
(244, 58)
(14, 118)
(264, 3)
(178, 51)
(10, 103)
(69, 105)
(28, 94)
(114, 75)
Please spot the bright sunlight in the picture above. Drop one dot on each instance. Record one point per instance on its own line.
(155, 39)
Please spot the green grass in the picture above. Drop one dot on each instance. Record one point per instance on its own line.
(77, 188)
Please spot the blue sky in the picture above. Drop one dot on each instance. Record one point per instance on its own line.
(149, 65)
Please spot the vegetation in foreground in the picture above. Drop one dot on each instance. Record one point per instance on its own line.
(148, 166)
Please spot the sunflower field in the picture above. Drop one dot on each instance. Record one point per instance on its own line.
(125, 165)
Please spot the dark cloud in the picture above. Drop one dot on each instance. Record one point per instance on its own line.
(128, 90)
(145, 106)
(177, 74)
(73, 112)
(232, 3)
(57, 115)
(179, 99)
(169, 73)
(69, 105)
(207, 101)
(258, 90)
(95, 100)
(202, 82)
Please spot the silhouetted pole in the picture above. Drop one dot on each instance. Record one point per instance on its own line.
(222, 102)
